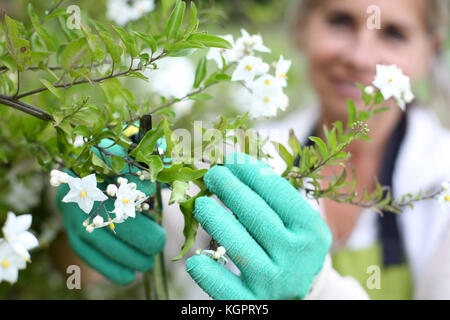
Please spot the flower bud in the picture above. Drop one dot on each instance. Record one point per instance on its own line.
(145, 206)
(111, 190)
(369, 90)
(132, 185)
(122, 180)
(216, 255)
(54, 181)
(98, 221)
(54, 173)
(90, 228)
(85, 223)
(63, 177)
(221, 250)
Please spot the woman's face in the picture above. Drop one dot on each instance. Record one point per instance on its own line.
(342, 50)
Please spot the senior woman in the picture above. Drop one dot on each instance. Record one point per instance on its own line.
(392, 256)
(286, 247)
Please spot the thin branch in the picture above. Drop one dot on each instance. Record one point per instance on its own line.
(69, 85)
(27, 108)
(51, 10)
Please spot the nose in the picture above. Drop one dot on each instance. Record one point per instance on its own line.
(361, 56)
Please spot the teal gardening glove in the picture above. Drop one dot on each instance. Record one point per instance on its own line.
(278, 242)
(116, 256)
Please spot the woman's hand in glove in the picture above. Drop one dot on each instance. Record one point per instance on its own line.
(115, 255)
(278, 242)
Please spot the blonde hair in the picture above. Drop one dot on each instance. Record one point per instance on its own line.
(437, 21)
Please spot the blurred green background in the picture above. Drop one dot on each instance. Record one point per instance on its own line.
(25, 189)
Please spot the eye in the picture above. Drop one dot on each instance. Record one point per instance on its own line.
(340, 19)
(395, 33)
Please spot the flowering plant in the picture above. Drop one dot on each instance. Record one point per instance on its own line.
(68, 130)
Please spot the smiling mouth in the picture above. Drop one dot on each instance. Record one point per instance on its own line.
(347, 89)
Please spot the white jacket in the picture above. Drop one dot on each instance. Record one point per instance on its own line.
(423, 162)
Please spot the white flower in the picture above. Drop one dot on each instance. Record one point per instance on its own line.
(281, 71)
(124, 205)
(123, 11)
(248, 68)
(267, 97)
(84, 192)
(10, 262)
(216, 54)
(174, 78)
(445, 185)
(246, 45)
(393, 84)
(15, 232)
(444, 198)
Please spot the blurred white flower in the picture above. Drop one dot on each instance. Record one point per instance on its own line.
(15, 232)
(10, 262)
(84, 192)
(246, 45)
(394, 84)
(124, 206)
(248, 68)
(124, 11)
(216, 54)
(24, 194)
(281, 71)
(267, 97)
(174, 78)
(444, 198)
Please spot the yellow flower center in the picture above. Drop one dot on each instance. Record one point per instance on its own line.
(390, 80)
(266, 99)
(267, 82)
(249, 67)
(5, 264)
(83, 194)
(111, 226)
(126, 201)
(447, 198)
(283, 75)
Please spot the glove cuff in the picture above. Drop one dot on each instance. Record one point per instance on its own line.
(320, 280)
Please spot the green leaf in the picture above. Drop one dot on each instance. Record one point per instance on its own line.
(94, 45)
(200, 72)
(294, 143)
(153, 162)
(56, 13)
(193, 22)
(117, 163)
(178, 193)
(190, 225)
(201, 96)
(39, 29)
(17, 47)
(175, 20)
(168, 137)
(351, 108)
(285, 155)
(57, 93)
(129, 41)
(210, 41)
(323, 150)
(100, 165)
(148, 39)
(114, 50)
(74, 52)
(176, 172)
(148, 142)
(3, 157)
